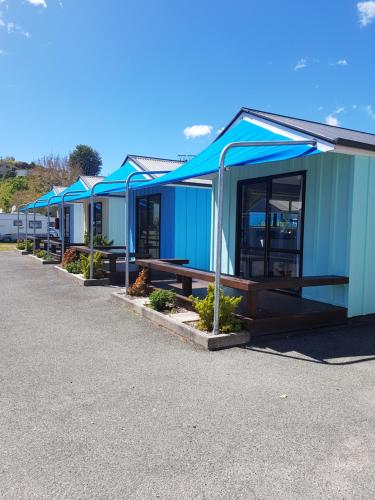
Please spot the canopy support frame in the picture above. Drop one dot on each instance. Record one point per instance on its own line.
(70, 193)
(127, 218)
(219, 224)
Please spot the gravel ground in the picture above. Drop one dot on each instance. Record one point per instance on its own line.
(96, 403)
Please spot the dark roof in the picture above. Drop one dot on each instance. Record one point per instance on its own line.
(334, 135)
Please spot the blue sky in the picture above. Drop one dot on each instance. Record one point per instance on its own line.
(130, 76)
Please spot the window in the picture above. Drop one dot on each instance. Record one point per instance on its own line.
(17, 223)
(270, 226)
(98, 218)
(37, 224)
(148, 225)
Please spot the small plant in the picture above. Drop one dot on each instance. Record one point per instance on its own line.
(99, 240)
(97, 266)
(25, 245)
(160, 300)
(228, 322)
(140, 287)
(41, 254)
(74, 267)
(71, 255)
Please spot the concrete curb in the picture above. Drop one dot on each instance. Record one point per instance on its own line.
(203, 339)
(44, 262)
(80, 280)
(23, 252)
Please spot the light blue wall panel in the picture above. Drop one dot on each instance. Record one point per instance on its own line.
(362, 248)
(116, 220)
(327, 217)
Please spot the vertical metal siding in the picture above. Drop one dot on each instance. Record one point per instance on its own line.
(327, 217)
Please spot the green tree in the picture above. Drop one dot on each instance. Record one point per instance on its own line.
(87, 159)
(11, 190)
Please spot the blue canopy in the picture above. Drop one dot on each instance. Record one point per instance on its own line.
(42, 201)
(120, 175)
(207, 162)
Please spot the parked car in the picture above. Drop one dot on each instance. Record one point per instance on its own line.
(7, 238)
(53, 233)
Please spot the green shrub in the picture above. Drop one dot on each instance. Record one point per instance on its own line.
(74, 267)
(42, 254)
(160, 300)
(97, 267)
(99, 240)
(25, 245)
(228, 322)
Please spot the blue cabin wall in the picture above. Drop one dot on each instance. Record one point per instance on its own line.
(185, 223)
(328, 218)
(362, 243)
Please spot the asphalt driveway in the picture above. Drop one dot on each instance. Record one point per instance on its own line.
(97, 403)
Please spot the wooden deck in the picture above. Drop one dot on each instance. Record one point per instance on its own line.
(265, 309)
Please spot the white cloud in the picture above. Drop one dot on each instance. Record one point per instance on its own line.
(332, 120)
(342, 62)
(301, 63)
(370, 111)
(38, 3)
(366, 12)
(354, 106)
(220, 130)
(197, 131)
(2, 52)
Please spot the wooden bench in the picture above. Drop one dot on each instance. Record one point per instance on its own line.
(250, 287)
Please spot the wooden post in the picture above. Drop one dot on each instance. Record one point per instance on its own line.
(251, 304)
(187, 286)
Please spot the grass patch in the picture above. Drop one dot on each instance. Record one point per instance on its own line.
(7, 247)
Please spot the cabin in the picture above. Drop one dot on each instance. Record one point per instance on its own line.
(296, 232)
(305, 216)
(165, 221)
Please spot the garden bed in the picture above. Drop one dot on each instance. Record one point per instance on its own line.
(182, 323)
(44, 261)
(79, 279)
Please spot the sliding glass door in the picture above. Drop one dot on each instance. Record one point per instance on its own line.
(148, 225)
(270, 226)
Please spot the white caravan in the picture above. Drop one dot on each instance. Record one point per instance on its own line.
(9, 225)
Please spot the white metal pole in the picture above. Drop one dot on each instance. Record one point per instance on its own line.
(34, 246)
(18, 225)
(62, 227)
(219, 225)
(48, 223)
(26, 234)
(91, 234)
(219, 222)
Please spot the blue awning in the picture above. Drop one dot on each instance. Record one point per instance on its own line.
(120, 175)
(40, 202)
(207, 162)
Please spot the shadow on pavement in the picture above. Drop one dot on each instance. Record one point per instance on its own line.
(341, 346)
